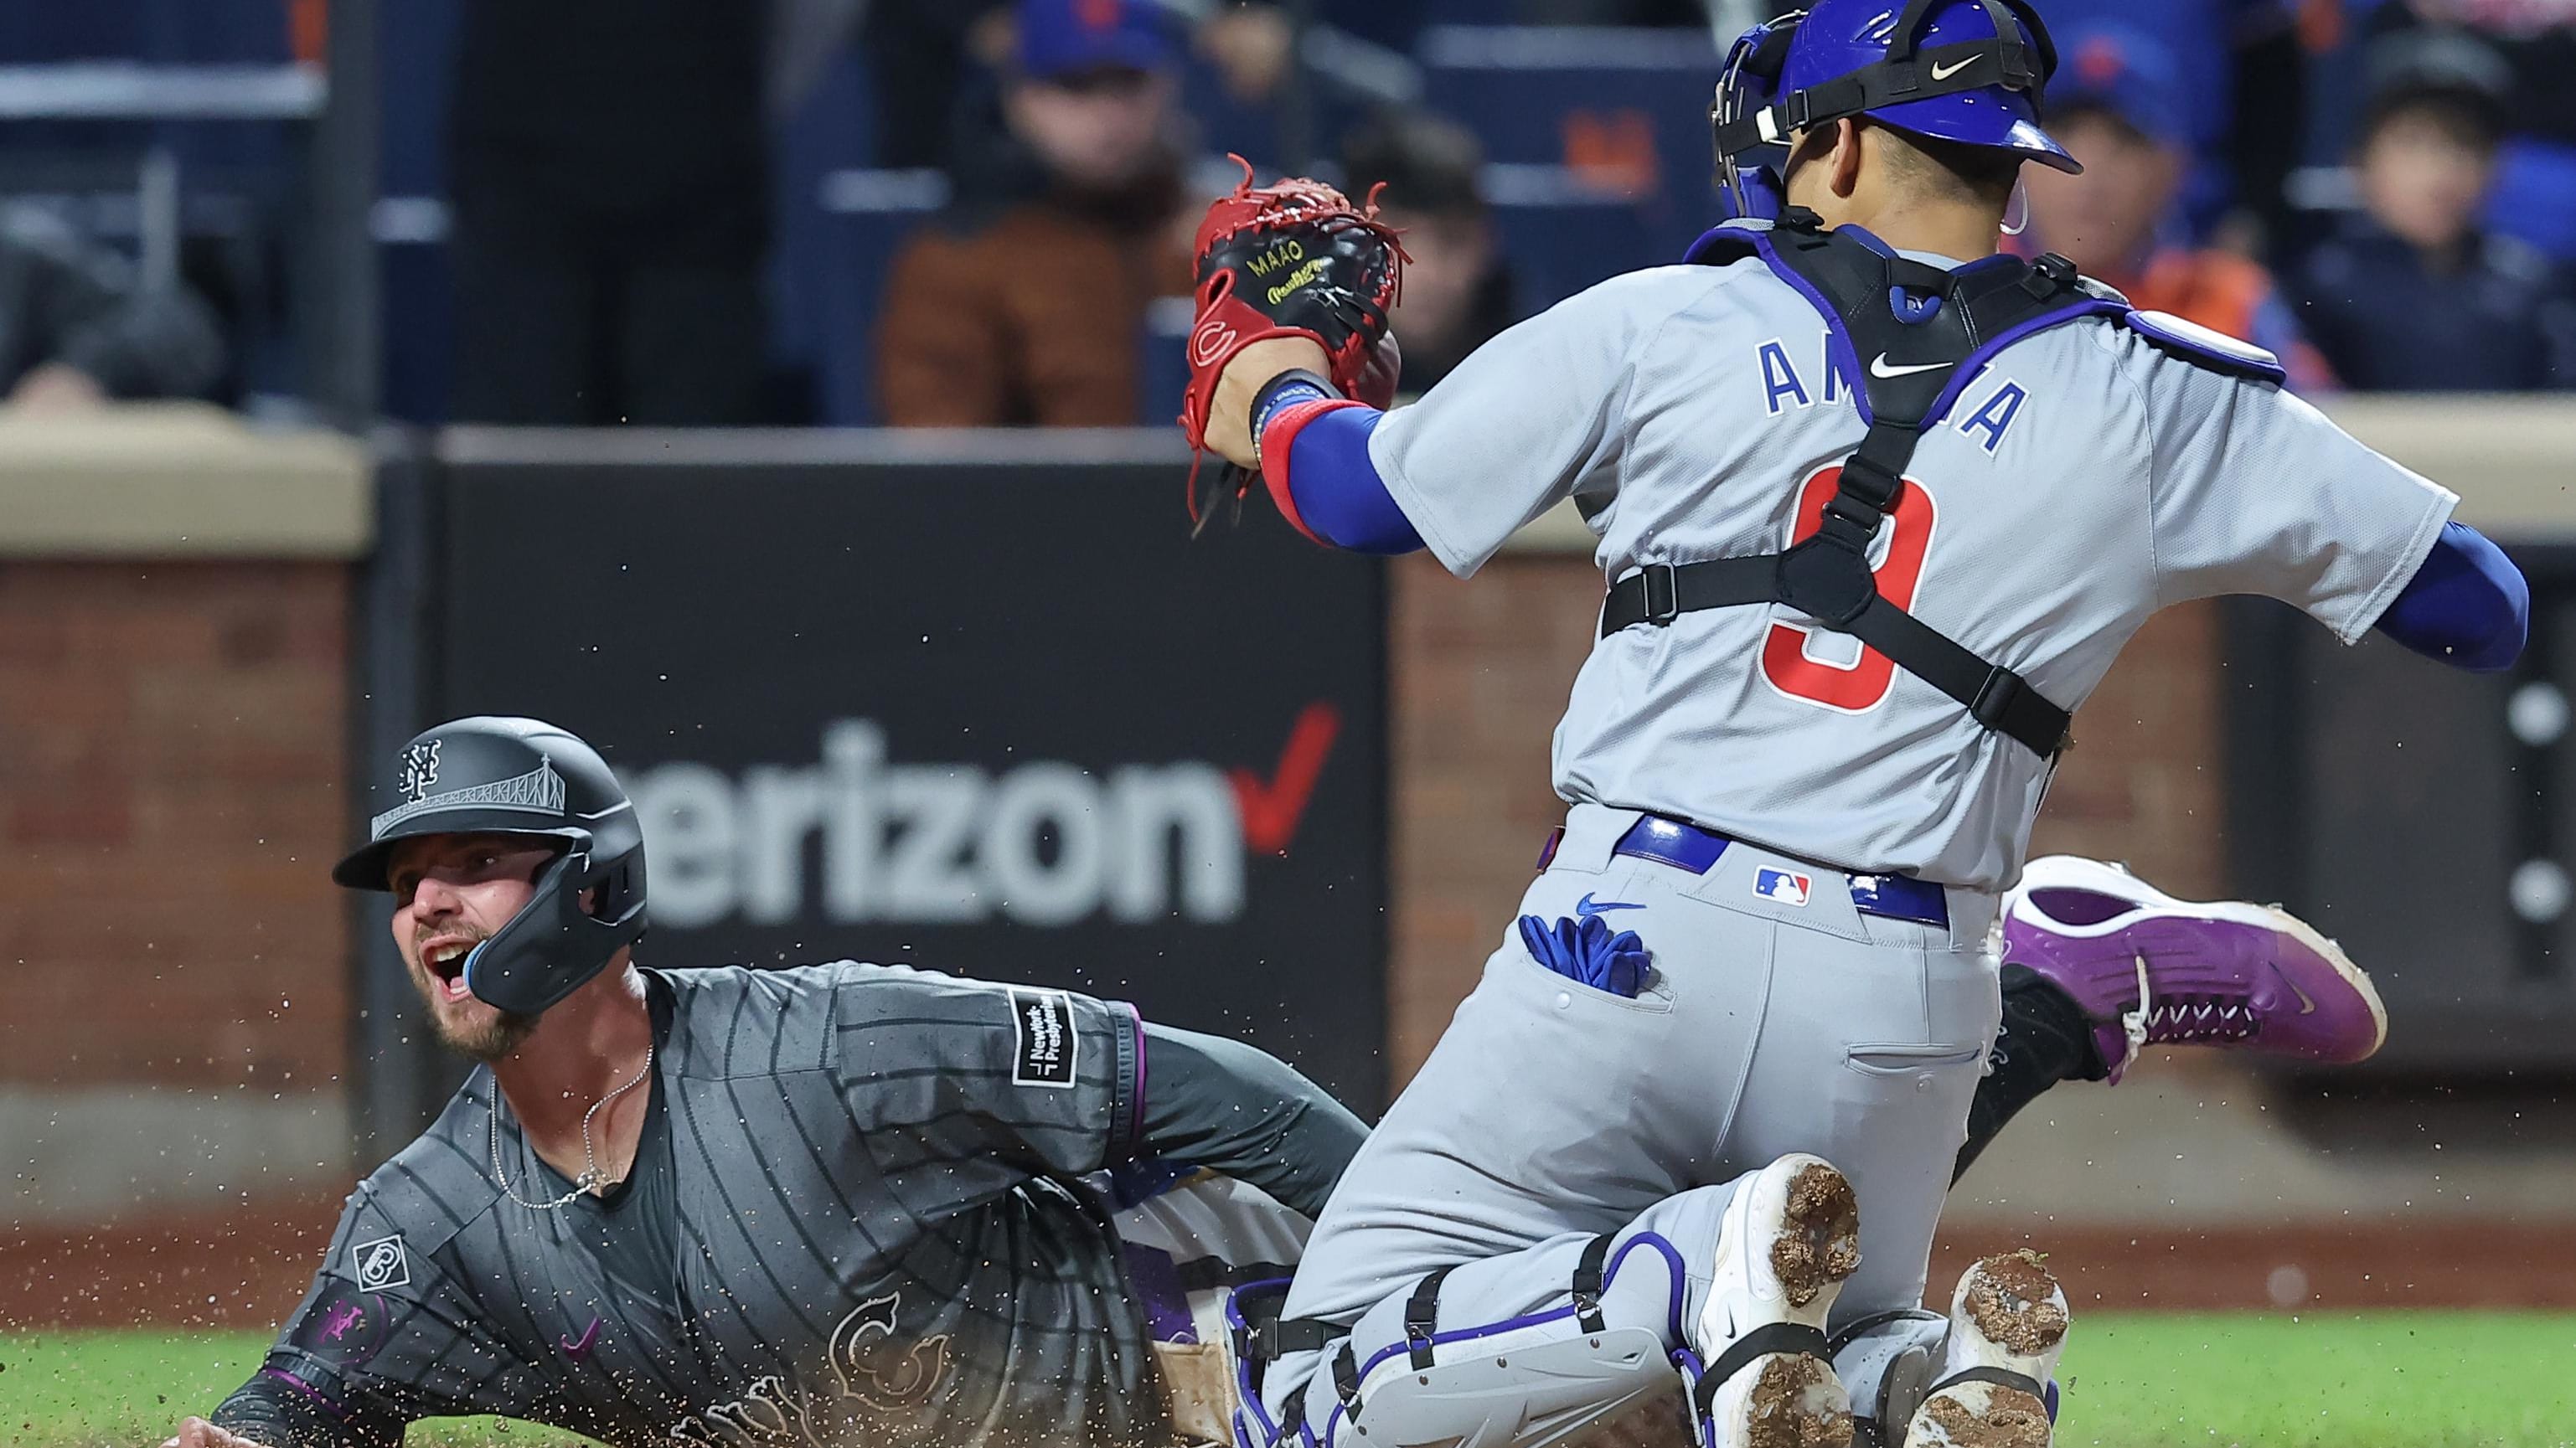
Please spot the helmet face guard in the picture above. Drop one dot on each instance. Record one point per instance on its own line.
(554, 945)
(1744, 89)
(1984, 90)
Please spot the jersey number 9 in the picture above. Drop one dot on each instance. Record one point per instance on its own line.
(1862, 684)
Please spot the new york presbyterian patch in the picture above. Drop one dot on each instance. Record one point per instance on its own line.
(380, 1264)
(1042, 1028)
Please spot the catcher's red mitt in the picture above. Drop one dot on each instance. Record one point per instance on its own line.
(1295, 259)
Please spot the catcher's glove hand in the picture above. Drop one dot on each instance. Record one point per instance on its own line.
(1292, 260)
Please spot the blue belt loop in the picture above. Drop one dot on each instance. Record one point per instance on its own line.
(1688, 847)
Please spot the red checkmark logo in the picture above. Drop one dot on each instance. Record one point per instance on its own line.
(1273, 808)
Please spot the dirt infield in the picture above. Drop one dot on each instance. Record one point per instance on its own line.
(248, 1269)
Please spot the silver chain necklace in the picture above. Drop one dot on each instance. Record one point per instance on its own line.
(590, 1174)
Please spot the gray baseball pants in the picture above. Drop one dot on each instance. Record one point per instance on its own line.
(1551, 1111)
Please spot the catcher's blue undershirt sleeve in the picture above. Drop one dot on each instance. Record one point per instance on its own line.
(2467, 606)
(1337, 489)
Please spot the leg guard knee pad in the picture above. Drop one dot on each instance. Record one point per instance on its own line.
(1526, 1397)
(1552, 1377)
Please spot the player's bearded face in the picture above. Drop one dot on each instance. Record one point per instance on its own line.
(451, 893)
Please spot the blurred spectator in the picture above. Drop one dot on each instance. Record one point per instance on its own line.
(927, 60)
(2116, 105)
(2411, 295)
(2241, 94)
(1026, 303)
(2536, 39)
(78, 329)
(2534, 194)
(1457, 290)
(609, 186)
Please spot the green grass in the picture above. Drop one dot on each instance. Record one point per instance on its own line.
(130, 1389)
(2327, 1380)
(2321, 1380)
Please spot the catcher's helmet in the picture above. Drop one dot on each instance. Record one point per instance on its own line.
(1969, 71)
(521, 777)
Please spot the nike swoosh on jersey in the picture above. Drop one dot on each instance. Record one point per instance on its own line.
(1587, 907)
(1944, 73)
(1879, 367)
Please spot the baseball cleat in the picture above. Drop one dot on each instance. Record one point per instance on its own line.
(1790, 1237)
(2148, 969)
(2007, 1326)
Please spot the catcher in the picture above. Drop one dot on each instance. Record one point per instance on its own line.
(1877, 509)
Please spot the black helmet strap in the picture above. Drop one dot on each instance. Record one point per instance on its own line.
(1909, 73)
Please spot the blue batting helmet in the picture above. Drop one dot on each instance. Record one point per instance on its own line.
(1967, 71)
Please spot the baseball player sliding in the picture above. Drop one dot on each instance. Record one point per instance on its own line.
(1878, 508)
(840, 1204)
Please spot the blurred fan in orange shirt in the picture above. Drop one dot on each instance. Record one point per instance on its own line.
(2118, 105)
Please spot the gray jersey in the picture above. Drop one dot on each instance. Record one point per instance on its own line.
(879, 1238)
(2083, 481)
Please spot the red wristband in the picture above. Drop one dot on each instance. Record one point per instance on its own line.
(1278, 440)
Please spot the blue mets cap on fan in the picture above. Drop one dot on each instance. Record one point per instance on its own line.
(1059, 38)
(1967, 71)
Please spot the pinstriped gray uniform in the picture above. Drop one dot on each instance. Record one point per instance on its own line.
(878, 1238)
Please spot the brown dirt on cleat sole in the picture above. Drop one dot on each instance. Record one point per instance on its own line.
(2011, 1419)
(2012, 1301)
(1819, 1243)
(1796, 1403)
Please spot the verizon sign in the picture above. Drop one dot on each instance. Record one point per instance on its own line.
(1007, 721)
(855, 836)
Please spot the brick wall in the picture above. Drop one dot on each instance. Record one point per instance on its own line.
(1481, 671)
(171, 757)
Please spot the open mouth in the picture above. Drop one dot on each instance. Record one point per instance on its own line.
(443, 956)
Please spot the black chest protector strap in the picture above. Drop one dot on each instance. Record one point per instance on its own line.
(1906, 366)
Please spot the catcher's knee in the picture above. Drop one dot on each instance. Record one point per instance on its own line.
(1539, 1393)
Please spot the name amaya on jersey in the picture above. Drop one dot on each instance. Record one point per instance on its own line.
(1987, 410)
(2093, 473)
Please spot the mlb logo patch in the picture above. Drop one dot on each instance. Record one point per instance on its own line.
(1782, 887)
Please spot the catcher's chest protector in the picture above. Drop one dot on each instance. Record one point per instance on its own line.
(1911, 337)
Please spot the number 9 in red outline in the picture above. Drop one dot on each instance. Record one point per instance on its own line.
(1864, 684)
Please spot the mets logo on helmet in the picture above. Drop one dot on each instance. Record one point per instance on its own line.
(419, 769)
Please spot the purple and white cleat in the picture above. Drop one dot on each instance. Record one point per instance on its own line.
(2149, 969)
